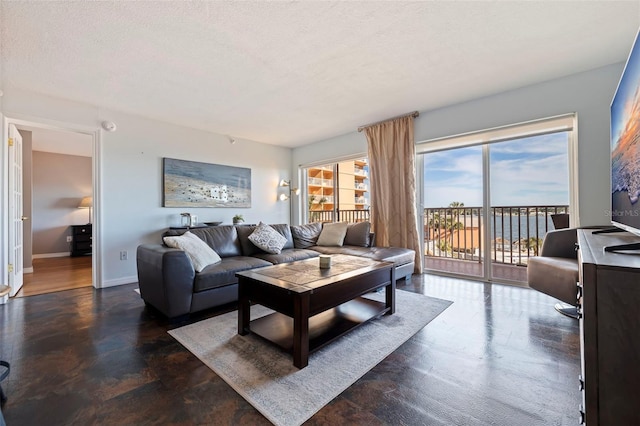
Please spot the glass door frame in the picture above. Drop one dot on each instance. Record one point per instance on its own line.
(562, 123)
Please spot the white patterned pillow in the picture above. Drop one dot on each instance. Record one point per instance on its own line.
(198, 251)
(267, 238)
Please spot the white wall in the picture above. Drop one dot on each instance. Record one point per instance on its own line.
(131, 209)
(588, 94)
(59, 183)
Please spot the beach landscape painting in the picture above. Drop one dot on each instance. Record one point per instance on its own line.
(196, 184)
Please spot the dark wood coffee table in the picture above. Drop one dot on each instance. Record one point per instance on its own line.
(313, 306)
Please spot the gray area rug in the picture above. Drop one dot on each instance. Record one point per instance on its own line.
(265, 376)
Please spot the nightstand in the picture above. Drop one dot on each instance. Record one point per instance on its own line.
(81, 244)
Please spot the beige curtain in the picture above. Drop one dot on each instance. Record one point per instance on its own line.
(393, 185)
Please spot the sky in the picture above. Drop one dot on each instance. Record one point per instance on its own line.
(524, 172)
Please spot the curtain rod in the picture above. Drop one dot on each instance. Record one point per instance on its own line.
(413, 114)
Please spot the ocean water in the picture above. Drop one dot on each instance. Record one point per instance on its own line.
(512, 227)
(515, 227)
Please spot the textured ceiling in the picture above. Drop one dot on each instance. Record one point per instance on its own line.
(291, 73)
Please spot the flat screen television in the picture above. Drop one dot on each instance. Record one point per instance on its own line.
(625, 149)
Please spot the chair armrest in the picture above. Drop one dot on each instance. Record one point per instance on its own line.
(560, 243)
(165, 278)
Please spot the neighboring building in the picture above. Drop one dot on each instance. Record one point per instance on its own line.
(340, 186)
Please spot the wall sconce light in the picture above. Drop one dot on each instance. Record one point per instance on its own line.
(292, 191)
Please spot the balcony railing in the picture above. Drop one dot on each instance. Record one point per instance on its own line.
(338, 216)
(516, 234)
(456, 233)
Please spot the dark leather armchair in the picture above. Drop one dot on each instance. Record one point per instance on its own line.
(555, 270)
(560, 220)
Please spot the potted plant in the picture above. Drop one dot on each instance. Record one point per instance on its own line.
(238, 219)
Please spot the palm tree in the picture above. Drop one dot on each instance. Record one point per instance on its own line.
(534, 244)
(453, 222)
(314, 213)
(446, 219)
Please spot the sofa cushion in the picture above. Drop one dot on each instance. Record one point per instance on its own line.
(288, 255)
(224, 273)
(305, 236)
(397, 255)
(249, 249)
(332, 234)
(267, 238)
(197, 250)
(357, 234)
(285, 230)
(223, 239)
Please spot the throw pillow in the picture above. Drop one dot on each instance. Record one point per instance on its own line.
(267, 238)
(333, 234)
(305, 236)
(357, 234)
(198, 251)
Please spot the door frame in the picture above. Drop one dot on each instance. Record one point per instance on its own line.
(96, 136)
(485, 138)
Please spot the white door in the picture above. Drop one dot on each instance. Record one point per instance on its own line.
(15, 211)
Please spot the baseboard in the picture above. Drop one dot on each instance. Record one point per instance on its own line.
(120, 281)
(47, 255)
(28, 270)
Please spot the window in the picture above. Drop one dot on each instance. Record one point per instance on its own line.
(488, 197)
(338, 192)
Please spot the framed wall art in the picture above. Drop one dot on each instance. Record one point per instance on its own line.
(195, 184)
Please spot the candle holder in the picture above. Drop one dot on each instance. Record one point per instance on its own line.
(325, 261)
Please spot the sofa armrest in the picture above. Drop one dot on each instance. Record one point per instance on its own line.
(372, 239)
(165, 277)
(560, 243)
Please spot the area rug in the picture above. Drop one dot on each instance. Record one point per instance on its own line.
(265, 376)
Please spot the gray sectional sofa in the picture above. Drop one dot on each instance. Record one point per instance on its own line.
(169, 282)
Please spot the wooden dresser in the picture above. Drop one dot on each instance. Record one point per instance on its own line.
(81, 243)
(609, 297)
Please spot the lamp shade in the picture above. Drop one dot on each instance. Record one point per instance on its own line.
(86, 203)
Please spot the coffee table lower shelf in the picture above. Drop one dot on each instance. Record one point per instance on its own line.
(323, 327)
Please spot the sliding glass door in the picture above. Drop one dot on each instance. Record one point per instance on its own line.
(453, 237)
(489, 201)
(529, 184)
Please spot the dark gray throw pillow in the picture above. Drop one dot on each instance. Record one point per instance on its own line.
(305, 236)
(357, 234)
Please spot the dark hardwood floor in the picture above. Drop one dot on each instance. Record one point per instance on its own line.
(499, 355)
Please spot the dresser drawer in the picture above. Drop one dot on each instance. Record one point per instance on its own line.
(81, 242)
(81, 229)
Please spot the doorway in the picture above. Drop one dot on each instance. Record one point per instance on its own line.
(60, 172)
